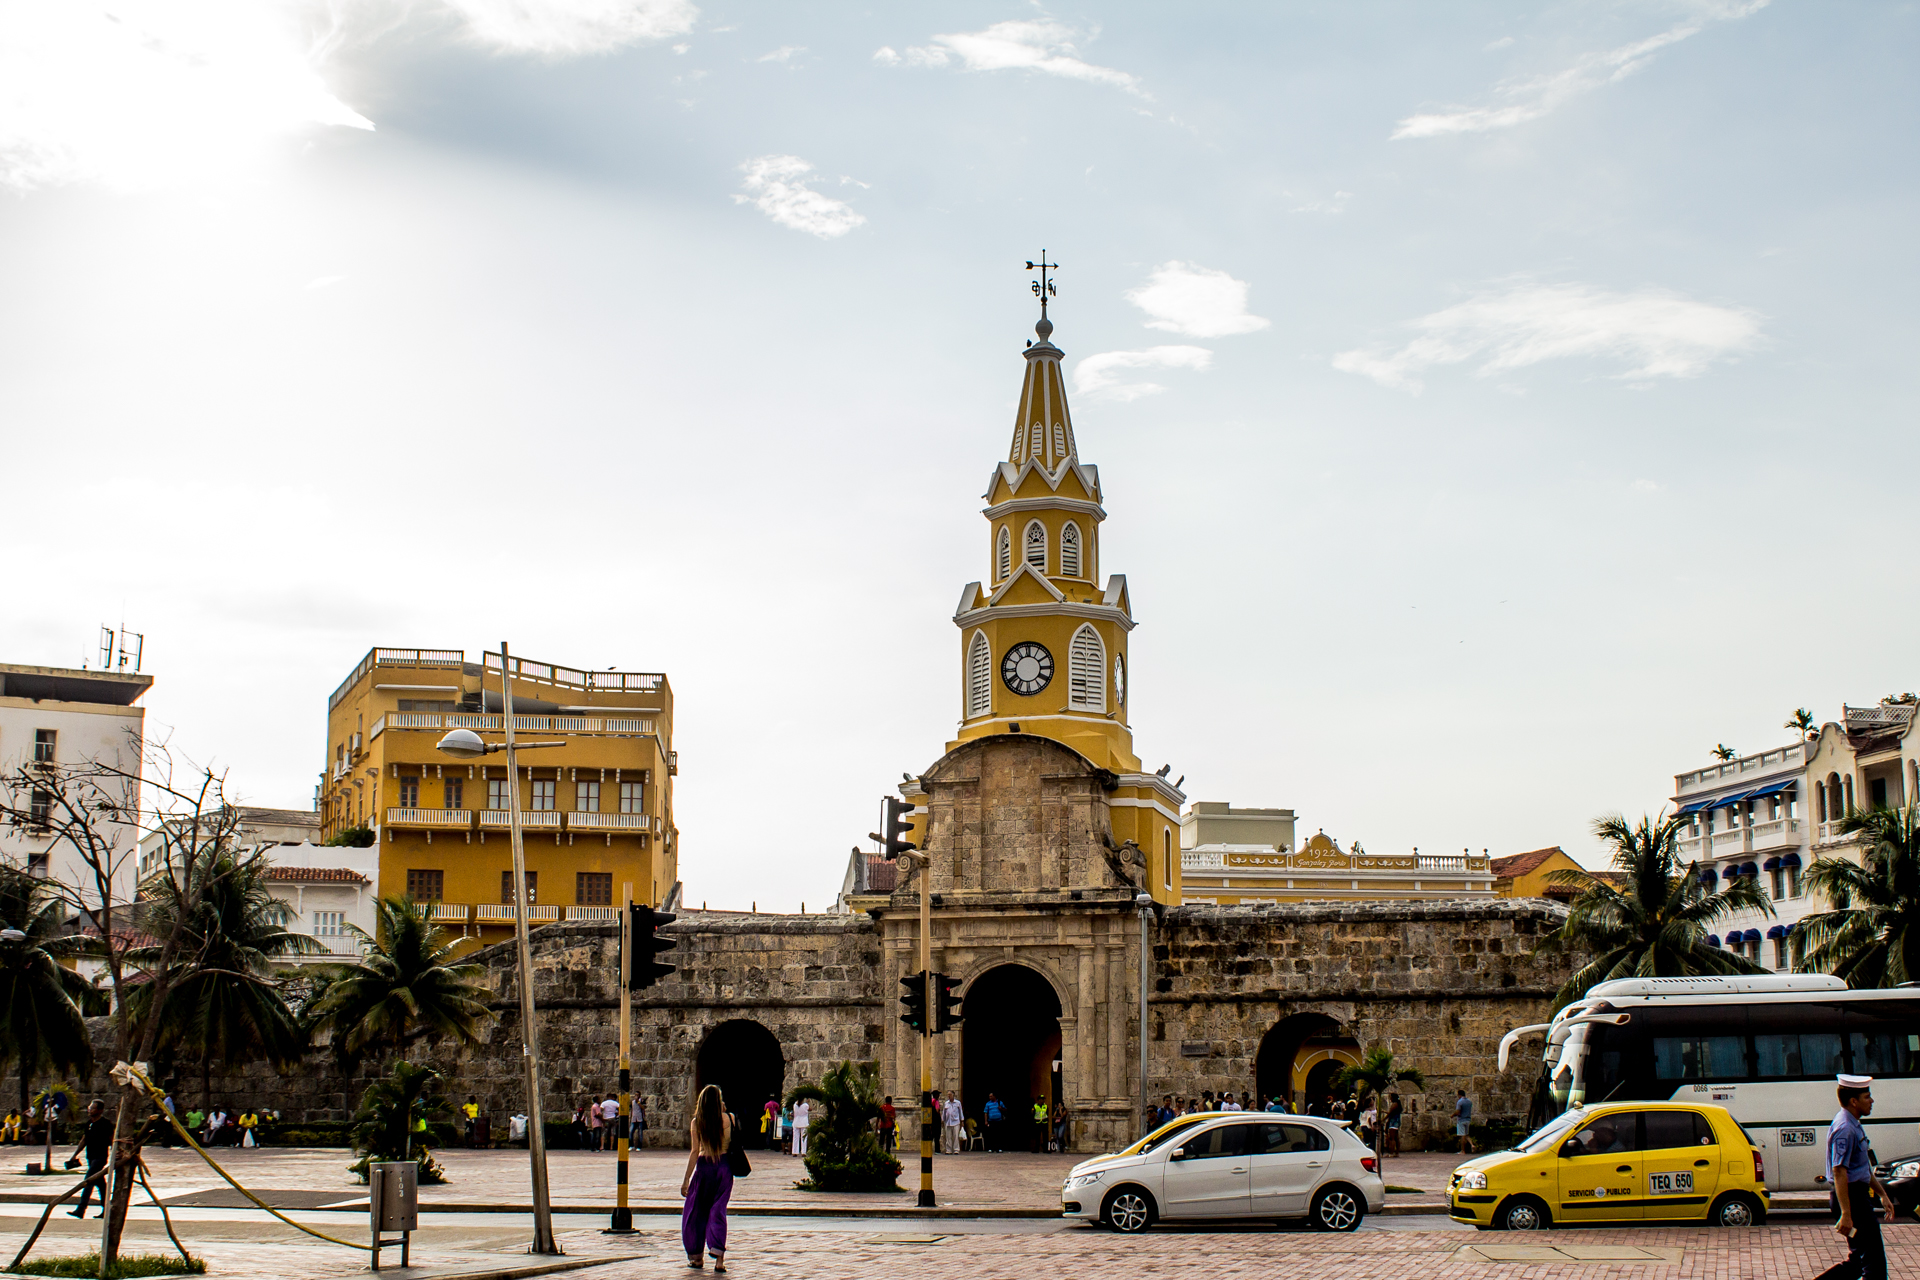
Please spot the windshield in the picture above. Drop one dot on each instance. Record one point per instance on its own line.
(1165, 1133)
(1549, 1135)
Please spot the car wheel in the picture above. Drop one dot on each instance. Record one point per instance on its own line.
(1736, 1211)
(1128, 1210)
(1337, 1207)
(1522, 1213)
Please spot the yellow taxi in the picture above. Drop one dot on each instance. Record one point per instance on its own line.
(1623, 1162)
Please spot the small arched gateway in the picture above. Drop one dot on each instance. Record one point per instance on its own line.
(745, 1060)
(1301, 1056)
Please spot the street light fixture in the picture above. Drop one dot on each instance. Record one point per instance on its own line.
(11, 934)
(465, 744)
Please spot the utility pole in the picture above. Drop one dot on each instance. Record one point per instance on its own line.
(1144, 901)
(622, 1215)
(924, 865)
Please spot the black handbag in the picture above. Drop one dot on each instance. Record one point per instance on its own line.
(737, 1155)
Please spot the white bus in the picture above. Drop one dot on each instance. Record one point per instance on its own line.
(1767, 1048)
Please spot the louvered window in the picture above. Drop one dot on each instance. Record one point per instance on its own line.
(1037, 546)
(1004, 556)
(1038, 437)
(1059, 440)
(979, 676)
(1070, 551)
(1087, 671)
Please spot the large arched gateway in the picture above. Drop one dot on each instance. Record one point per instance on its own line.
(1010, 1046)
(744, 1059)
(1301, 1055)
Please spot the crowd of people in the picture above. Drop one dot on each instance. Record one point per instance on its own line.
(1366, 1116)
(215, 1126)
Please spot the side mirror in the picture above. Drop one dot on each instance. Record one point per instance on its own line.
(1570, 1148)
(1178, 1153)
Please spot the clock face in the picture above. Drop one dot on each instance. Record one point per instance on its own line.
(1027, 668)
(1119, 680)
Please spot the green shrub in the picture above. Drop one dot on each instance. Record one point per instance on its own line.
(403, 1116)
(843, 1151)
(86, 1266)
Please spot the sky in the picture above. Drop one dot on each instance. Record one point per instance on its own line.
(1498, 406)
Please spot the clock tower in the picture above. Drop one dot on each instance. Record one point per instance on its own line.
(1043, 644)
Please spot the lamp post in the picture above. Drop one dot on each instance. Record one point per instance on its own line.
(1144, 901)
(465, 744)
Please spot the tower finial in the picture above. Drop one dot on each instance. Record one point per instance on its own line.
(1043, 289)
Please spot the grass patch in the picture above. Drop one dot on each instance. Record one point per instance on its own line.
(1405, 1191)
(86, 1266)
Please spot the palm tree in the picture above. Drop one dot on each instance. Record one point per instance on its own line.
(1872, 936)
(1801, 721)
(1654, 925)
(407, 978)
(224, 1001)
(403, 1117)
(1721, 751)
(41, 1026)
(843, 1151)
(1377, 1073)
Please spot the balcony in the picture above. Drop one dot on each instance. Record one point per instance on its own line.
(1727, 843)
(445, 819)
(530, 820)
(480, 722)
(1691, 849)
(1715, 775)
(1781, 833)
(601, 914)
(488, 913)
(449, 913)
(580, 821)
(569, 678)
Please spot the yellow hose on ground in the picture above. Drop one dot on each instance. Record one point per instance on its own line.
(124, 1072)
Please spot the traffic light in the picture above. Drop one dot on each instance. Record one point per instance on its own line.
(946, 1008)
(643, 970)
(898, 821)
(913, 1003)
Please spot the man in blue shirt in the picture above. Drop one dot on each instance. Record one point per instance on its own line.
(1853, 1185)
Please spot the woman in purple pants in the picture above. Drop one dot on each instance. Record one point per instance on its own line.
(708, 1181)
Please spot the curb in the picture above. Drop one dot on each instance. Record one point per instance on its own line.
(530, 1269)
(749, 1210)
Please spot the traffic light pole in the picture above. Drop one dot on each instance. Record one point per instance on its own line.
(924, 865)
(529, 1028)
(622, 1215)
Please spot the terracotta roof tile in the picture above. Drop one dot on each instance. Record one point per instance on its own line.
(883, 875)
(1519, 864)
(316, 875)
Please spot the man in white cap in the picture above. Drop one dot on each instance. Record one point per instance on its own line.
(1852, 1173)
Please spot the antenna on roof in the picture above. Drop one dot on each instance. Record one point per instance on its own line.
(112, 643)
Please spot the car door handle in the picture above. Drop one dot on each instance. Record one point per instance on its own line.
(1236, 1171)
(1701, 1164)
(1624, 1168)
(1315, 1164)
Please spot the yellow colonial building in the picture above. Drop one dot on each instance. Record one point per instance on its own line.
(1043, 645)
(597, 812)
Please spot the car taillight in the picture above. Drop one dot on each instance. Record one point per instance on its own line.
(1369, 1164)
(1759, 1167)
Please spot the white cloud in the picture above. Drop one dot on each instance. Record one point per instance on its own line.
(1185, 297)
(1646, 486)
(1660, 334)
(779, 186)
(1012, 46)
(1501, 43)
(1529, 99)
(1335, 203)
(783, 54)
(154, 93)
(1103, 375)
(569, 28)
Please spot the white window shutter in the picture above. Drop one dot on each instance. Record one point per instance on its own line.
(1087, 671)
(1037, 546)
(1070, 551)
(1005, 554)
(979, 676)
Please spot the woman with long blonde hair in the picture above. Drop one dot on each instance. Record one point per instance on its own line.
(708, 1182)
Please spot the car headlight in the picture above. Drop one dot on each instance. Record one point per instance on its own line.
(1907, 1169)
(1084, 1180)
(1473, 1180)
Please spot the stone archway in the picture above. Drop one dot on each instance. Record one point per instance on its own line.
(1009, 1045)
(745, 1060)
(1299, 1057)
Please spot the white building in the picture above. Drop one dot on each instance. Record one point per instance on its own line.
(55, 719)
(1748, 819)
(1230, 856)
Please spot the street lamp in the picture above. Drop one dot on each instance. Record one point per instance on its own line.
(465, 744)
(11, 934)
(1144, 901)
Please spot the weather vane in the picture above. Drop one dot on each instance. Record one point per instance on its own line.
(1043, 287)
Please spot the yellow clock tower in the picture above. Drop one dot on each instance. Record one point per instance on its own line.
(1043, 646)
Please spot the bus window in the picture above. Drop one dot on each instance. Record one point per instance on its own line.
(1700, 1057)
(1790, 1056)
(1881, 1053)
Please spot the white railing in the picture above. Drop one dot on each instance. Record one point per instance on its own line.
(535, 820)
(397, 658)
(1778, 758)
(379, 727)
(504, 913)
(1441, 862)
(411, 720)
(460, 818)
(495, 723)
(570, 678)
(1690, 848)
(1199, 860)
(1728, 840)
(578, 821)
(450, 911)
(593, 913)
(629, 726)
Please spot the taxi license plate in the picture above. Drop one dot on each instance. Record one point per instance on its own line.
(1669, 1184)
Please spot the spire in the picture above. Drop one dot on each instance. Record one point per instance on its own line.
(1042, 426)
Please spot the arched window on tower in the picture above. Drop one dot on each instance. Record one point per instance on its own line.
(1087, 671)
(1003, 555)
(1037, 546)
(1070, 551)
(1166, 856)
(979, 676)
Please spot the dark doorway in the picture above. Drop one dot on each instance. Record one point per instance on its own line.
(1300, 1055)
(744, 1059)
(1008, 1045)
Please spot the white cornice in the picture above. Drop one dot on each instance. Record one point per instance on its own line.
(1015, 476)
(1065, 609)
(1122, 802)
(1012, 505)
(1160, 787)
(1024, 568)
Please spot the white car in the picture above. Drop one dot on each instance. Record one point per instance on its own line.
(1231, 1165)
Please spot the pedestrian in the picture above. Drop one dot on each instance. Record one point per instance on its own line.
(166, 1130)
(786, 1128)
(216, 1122)
(610, 1122)
(1463, 1121)
(994, 1116)
(1369, 1119)
(708, 1181)
(889, 1119)
(770, 1123)
(1037, 1141)
(953, 1120)
(470, 1114)
(1855, 1184)
(249, 1122)
(1058, 1117)
(97, 1142)
(801, 1114)
(11, 1129)
(639, 1138)
(1394, 1112)
(1167, 1112)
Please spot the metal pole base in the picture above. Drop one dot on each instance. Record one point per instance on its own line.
(926, 1200)
(622, 1223)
